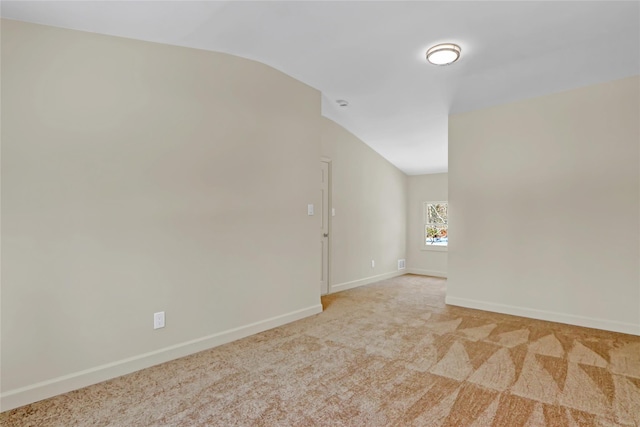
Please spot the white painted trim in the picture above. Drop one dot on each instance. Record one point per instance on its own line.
(436, 248)
(327, 160)
(588, 322)
(423, 272)
(45, 389)
(367, 280)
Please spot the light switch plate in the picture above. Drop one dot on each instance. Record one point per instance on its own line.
(310, 210)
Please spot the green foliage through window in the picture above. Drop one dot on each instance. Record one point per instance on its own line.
(436, 223)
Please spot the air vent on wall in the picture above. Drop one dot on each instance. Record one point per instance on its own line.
(401, 264)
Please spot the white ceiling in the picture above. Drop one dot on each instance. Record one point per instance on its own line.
(371, 53)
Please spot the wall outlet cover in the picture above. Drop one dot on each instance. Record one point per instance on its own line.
(158, 320)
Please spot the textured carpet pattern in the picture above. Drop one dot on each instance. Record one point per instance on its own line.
(390, 353)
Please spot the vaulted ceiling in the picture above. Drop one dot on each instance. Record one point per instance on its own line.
(372, 53)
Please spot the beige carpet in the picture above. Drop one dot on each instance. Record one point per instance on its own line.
(390, 353)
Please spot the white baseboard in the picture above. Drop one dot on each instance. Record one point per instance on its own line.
(361, 282)
(423, 272)
(43, 390)
(570, 319)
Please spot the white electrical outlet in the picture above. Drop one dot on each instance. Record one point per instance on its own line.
(373, 264)
(158, 320)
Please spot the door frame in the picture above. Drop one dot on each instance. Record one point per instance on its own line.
(329, 221)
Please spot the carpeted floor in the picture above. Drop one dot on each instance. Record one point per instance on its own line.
(390, 353)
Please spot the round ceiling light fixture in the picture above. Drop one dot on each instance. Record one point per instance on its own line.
(342, 103)
(443, 54)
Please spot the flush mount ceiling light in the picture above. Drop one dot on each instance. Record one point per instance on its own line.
(443, 54)
(342, 103)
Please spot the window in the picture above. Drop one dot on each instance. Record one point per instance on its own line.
(436, 224)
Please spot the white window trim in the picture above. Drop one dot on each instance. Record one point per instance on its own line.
(434, 248)
(424, 246)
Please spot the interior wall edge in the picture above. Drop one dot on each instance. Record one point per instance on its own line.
(550, 316)
(365, 281)
(423, 272)
(64, 384)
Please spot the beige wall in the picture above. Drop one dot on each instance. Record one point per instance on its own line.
(544, 207)
(141, 177)
(424, 188)
(370, 198)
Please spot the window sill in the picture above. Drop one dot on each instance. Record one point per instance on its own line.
(435, 248)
